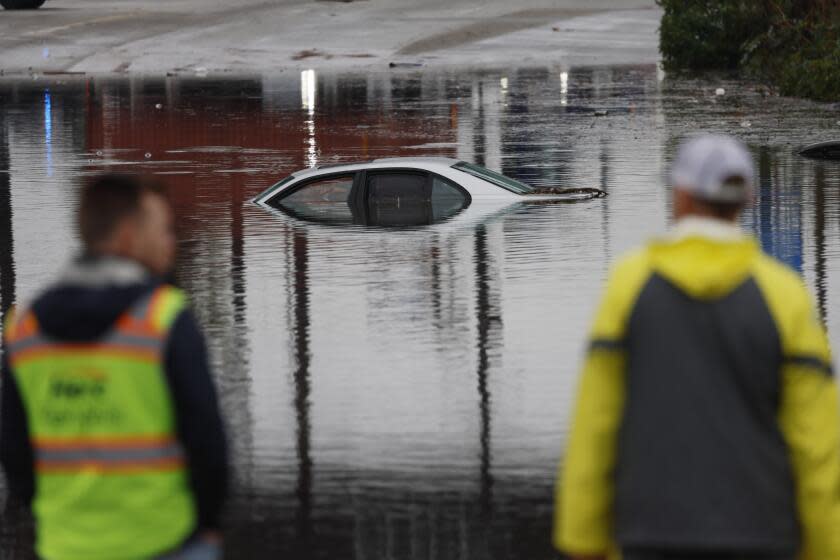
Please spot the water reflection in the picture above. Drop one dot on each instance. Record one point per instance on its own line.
(403, 392)
(487, 318)
(7, 265)
(300, 332)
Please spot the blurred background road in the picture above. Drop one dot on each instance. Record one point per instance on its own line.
(200, 36)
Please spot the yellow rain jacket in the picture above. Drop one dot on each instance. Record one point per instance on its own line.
(707, 413)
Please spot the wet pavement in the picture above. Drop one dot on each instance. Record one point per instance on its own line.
(259, 36)
(398, 393)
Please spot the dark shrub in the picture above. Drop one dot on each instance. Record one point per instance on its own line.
(794, 44)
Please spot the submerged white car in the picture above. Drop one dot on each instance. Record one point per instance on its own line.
(402, 191)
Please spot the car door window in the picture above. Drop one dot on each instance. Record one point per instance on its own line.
(397, 189)
(447, 199)
(411, 198)
(398, 199)
(325, 200)
(332, 189)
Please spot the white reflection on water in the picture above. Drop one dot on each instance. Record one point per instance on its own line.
(307, 94)
(564, 88)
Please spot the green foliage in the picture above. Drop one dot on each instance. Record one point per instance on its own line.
(794, 44)
(702, 34)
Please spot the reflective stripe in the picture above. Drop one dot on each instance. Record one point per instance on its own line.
(141, 310)
(62, 442)
(116, 467)
(131, 326)
(117, 339)
(120, 339)
(811, 362)
(155, 305)
(24, 326)
(606, 344)
(108, 455)
(69, 350)
(105, 455)
(140, 347)
(143, 317)
(24, 344)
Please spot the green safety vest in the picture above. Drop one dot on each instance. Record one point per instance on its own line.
(111, 479)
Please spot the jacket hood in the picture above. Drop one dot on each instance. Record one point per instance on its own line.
(90, 295)
(704, 266)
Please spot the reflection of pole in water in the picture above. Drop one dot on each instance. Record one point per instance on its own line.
(478, 132)
(604, 186)
(237, 255)
(300, 333)
(239, 373)
(7, 264)
(819, 238)
(484, 319)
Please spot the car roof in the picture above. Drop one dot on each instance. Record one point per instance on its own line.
(424, 162)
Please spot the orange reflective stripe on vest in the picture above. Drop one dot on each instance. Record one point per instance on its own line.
(117, 455)
(134, 337)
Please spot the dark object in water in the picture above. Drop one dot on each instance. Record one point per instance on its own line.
(577, 193)
(22, 4)
(822, 150)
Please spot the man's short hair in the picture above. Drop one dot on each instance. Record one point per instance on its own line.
(109, 199)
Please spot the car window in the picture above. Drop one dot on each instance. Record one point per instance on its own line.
(332, 189)
(447, 199)
(397, 189)
(323, 200)
(398, 199)
(411, 198)
(492, 177)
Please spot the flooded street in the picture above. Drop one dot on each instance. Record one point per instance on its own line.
(398, 393)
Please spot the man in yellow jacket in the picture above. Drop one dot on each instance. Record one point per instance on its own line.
(706, 424)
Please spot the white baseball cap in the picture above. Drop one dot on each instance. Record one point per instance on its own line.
(714, 167)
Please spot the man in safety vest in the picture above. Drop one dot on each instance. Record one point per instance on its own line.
(110, 423)
(707, 423)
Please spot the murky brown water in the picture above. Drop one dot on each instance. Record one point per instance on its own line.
(398, 393)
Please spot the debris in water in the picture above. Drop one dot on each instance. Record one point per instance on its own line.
(601, 113)
(573, 192)
(307, 53)
(746, 124)
(720, 91)
(405, 64)
(158, 106)
(148, 155)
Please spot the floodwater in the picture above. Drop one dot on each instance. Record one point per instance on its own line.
(398, 393)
